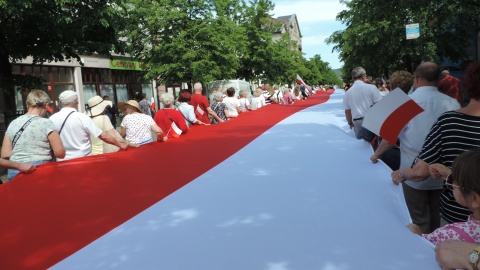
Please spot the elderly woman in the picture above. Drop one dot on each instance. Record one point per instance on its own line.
(30, 138)
(137, 127)
(243, 100)
(169, 119)
(258, 100)
(220, 108)
(186, 109)
(96, 108)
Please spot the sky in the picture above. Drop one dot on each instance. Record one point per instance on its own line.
(317, 22)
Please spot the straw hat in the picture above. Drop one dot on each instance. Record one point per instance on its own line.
(96, 106)
(135, 105)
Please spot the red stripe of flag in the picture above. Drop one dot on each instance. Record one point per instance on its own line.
(394, 123)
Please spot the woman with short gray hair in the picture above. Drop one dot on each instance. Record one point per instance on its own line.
(243, 100)
(219, 108)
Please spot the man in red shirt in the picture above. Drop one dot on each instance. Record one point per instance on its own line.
(450, 86)
(201, 106)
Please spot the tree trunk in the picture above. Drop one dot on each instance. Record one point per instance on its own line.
(7, 87)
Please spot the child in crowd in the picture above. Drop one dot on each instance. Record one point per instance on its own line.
(463, 180)
(287, 97)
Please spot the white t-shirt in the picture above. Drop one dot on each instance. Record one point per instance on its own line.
(232, 104)
(360, 97)
(188, 113)
(76, 132)
(244, 103)
(257, 103)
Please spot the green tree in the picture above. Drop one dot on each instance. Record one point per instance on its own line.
(325, 74)
(284, 63)
(257, 24)
(54, 30)
(186, 40)
(375, 39)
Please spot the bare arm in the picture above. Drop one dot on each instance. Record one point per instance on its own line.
(382, 148)
(6, 148)
(56, 144)
(214, 115)
(453, 254)
(155, 128)
(439, 171)
(24, 168)
(123, 132)
(419, 172)
(108, 138)
(7, 153)
(348, 116)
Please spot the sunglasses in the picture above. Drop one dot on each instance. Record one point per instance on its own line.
(449, 182)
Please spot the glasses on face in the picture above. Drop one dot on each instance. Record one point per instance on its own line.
(449, 182)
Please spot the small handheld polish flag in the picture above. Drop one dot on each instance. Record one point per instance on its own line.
(388, 116)
(175, 131)
(152, 103)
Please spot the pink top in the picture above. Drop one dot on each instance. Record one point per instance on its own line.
(468, 231)
(287, 98)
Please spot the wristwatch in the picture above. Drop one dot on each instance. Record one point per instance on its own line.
(474, 257)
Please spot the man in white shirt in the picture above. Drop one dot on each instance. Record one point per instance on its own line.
(75, 128)
(358, 100)
(422, 198)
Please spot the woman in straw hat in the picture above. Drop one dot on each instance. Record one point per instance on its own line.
(96, 107)
(30, 137)
(169, 119)
(137, 127)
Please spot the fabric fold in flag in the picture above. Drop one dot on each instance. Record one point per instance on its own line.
(388, 116)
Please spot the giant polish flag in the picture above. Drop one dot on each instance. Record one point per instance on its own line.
(388, 116)
(219, 197)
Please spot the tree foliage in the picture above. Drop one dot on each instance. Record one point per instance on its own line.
(375, 39)
(55, 30)
(185, 40)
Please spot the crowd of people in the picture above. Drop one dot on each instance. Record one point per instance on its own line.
(439, 161)
(32, 139)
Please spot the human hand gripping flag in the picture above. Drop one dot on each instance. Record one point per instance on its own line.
(388, 116)
(152, 104)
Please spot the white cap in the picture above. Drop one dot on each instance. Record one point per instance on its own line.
(68, 96)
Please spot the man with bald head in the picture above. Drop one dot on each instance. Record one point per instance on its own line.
(422, 198)
(201, 106)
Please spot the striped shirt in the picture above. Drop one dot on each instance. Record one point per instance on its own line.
(452, 134)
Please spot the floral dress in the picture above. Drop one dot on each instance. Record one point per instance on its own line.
(219, 108)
